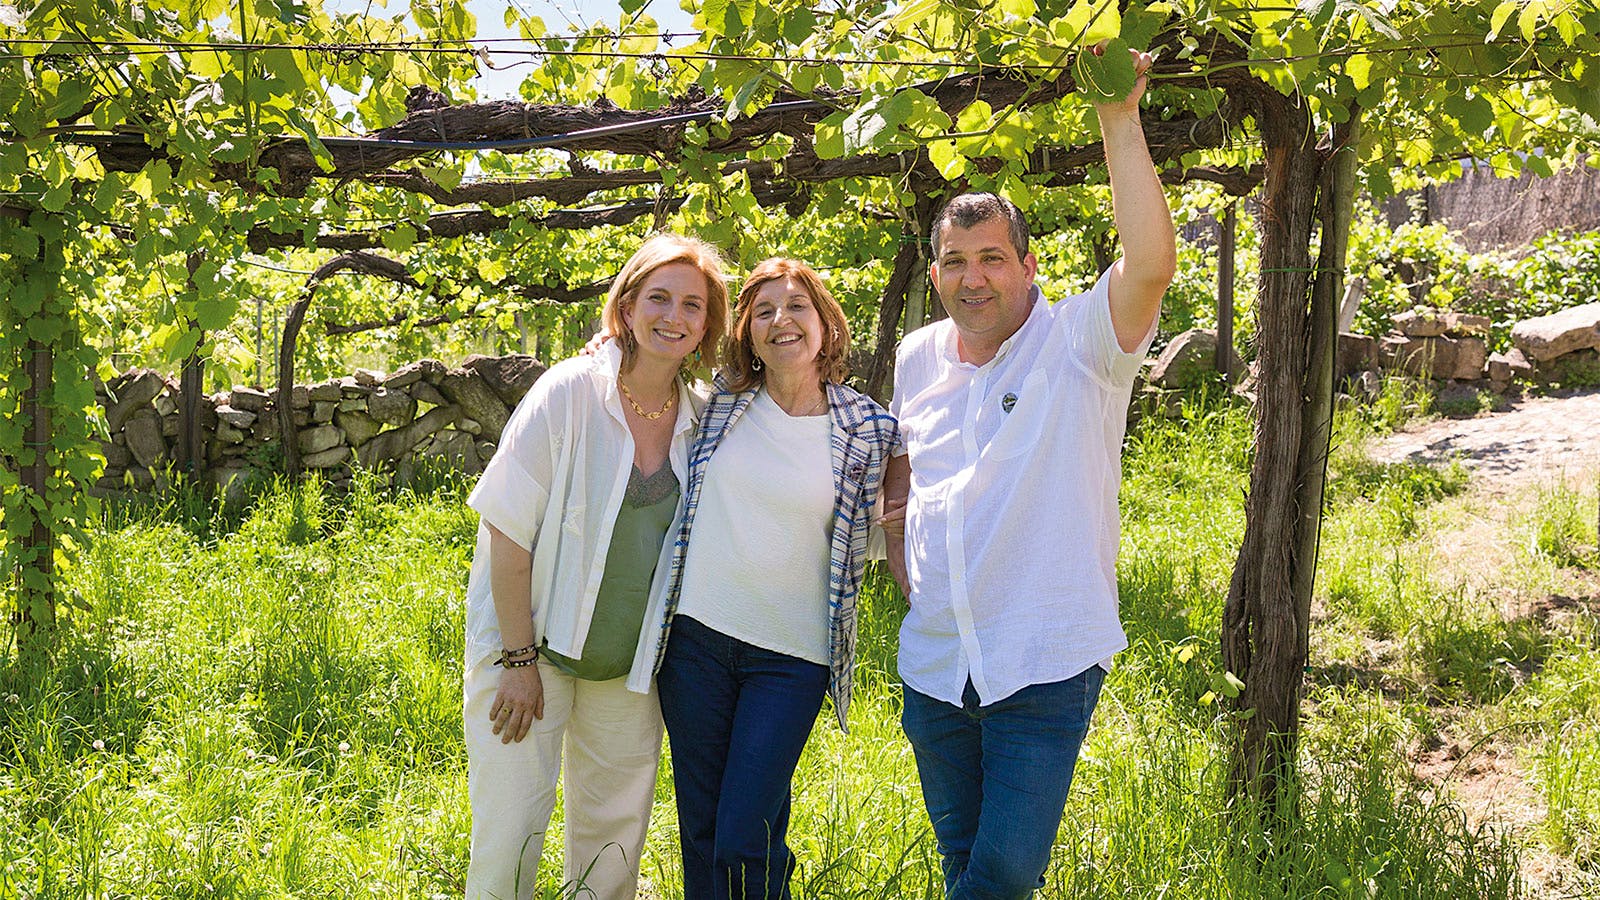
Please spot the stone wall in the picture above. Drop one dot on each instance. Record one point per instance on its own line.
(1448, 347)
(425, 412)
(429, 413)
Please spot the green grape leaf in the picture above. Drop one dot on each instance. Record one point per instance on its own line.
(215, 313)
(491, 268)
(798, 23)
(1108, 76)
(447, 177)
(944, 156)
(829, 140)
(1022, 9)
(399, 238)
(746, 94)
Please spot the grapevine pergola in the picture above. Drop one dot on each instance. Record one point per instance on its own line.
(1306, 103)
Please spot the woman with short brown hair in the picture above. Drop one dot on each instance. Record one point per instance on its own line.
(761, 596)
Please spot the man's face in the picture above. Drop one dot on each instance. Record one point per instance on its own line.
(983, 285)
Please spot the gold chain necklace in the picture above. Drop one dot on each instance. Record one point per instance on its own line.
(813, 408)
(652, 416)
(816, 406)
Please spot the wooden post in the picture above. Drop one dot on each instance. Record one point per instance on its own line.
(1355, 288)
(925, 295)
(1225, 249)
(260, 360)
(36, 574)
(191, 434)
(1336, 203)
(916, 304)
(288, 435)
(34, 578)
(191, 382)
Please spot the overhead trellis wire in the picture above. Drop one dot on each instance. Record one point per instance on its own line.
(466, 48)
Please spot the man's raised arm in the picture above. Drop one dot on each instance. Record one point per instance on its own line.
(1144, 222)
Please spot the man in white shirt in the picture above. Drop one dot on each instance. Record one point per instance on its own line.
(1013, 411)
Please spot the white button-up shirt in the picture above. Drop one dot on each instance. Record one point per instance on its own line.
(1011, 526)
(555, 486)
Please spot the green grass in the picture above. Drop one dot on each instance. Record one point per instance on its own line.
(1568, 772)
(264, 701)
(1564, 701)
(1562, 527)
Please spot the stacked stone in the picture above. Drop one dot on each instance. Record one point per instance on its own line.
(141, 409)
(1558, 348)
(423, 413)
(1426, 342)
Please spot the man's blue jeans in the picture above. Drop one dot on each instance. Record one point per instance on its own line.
(737, 718)
(995, 779)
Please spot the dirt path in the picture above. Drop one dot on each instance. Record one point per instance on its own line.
(1535, 441)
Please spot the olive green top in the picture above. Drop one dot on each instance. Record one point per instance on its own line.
(648, 506)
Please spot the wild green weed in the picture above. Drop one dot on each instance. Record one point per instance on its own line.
(1566, 689)
(1477, 655)
(1375, 570)
(1399, 400)
(1567, 770)
(1563, 526)
(269, 707)
(1154, 820)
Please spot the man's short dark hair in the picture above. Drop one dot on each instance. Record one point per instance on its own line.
(969, 210)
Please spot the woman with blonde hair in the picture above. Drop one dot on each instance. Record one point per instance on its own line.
(574, 508)
(759, 609)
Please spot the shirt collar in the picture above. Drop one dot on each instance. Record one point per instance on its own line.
(1036, 307)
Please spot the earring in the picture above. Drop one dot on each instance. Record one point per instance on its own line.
(755, 363)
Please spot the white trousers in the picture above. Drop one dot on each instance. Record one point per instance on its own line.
(612, 740)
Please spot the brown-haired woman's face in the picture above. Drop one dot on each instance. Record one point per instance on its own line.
(668, 313)
(785, 328)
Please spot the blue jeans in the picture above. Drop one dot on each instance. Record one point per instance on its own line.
(995, 779)
(737, 718)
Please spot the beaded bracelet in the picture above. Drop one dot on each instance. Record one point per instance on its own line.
(508, 661)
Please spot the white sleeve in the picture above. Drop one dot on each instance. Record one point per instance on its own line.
(1086, 323)
(515, 486)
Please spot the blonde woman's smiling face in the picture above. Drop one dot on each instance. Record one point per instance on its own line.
(668, 314)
